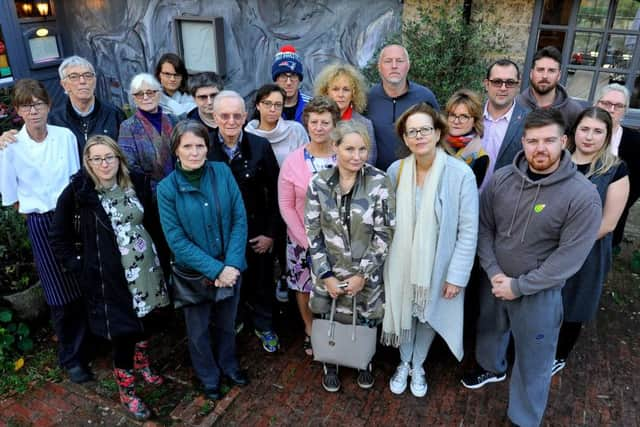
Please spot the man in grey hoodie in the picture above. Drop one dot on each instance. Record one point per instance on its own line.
(539, 219)
(545, 91)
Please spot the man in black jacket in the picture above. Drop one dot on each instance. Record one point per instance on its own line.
(255, 169)
(83, 113)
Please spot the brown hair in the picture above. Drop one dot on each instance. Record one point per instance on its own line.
(178, 66)
(122, 177)
(471, 100)
(186, 126)
(319, 105)
(438, 124)
(26, 89)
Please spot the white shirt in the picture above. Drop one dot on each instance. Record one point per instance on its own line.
(616, 137)
(35, 173)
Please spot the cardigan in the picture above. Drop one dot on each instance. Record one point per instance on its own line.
(292, 192)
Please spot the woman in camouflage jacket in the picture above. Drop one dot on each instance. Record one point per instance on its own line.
(349, 217)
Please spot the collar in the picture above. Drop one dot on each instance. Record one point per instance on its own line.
(506, 116)
(231, 152)
(82, 113)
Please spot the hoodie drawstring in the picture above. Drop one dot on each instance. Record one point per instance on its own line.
(515, 210)
(533, 206)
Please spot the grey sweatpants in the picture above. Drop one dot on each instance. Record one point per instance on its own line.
(534, 321)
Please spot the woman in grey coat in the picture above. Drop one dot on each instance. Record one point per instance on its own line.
(433, 249)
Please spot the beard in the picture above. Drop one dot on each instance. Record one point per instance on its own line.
(543, 90)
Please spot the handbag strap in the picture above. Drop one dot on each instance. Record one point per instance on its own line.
(332, 321)
(218, 211)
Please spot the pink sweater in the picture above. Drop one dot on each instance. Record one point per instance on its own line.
(292, 190)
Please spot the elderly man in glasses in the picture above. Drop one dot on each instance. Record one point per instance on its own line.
(503, 117)
(83, 113)
(256, 170)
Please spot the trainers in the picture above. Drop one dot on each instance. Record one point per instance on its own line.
(282, 290)
(269, 339)
(418, 384)
(365, 377)
(480, 377)
(330, 379)
(398, 382)
(558, 365)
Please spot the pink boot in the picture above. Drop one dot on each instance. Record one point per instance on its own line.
(141, 364)
(127, 386)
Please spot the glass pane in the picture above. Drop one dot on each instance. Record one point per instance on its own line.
(593, 13)
(619, 51)
(605, 78)
(551, 38)
(585, 48)
(635, 94)
(5, 69)
(556, 12)
(579, 83)
(33, 9)
(627, 15)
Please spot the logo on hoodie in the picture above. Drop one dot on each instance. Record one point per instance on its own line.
(539, 207)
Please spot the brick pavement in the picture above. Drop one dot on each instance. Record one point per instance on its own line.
(600, 386)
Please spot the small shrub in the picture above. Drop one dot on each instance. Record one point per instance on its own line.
(9, 118)
(15, 341)
(446, 53)
(17, 270)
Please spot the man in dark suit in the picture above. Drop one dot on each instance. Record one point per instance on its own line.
(503, 117)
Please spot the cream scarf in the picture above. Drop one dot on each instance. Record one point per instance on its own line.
(407, 279)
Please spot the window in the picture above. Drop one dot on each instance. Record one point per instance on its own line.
(598, 40)
(5, 69)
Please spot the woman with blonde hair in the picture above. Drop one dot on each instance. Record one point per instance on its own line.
(101, 231)
(589, 144)
(347, 87)
(466, 128)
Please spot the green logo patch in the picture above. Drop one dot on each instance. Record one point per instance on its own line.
(539, 207)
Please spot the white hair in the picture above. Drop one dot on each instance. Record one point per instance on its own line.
(613, 87)
(144, 79)
(228, 94)
(74, 61)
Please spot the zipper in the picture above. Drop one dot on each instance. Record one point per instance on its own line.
(106, 309)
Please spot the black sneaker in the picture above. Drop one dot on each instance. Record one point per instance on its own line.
(365, 378)
(558, 365)
(79, 374)
(480, 377)
(330, 379)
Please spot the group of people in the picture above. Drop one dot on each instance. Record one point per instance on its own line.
(371, 199)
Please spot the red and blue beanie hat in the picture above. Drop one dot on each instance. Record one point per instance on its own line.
(286, 61)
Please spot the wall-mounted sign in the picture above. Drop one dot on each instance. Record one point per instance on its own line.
(200, 42)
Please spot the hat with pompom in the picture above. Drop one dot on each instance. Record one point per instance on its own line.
(286, 61)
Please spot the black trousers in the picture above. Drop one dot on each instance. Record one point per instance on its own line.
(70, 324)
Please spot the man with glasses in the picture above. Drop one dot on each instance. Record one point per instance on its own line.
(390, 98)
(287, 72)
(204, 87)
(83, 113)
(545, 90)
(255, 169)
(503, 117)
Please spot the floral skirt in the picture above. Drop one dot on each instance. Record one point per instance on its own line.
(298, 267)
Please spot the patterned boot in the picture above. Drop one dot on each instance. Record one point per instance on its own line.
(141, 364)
(127, 386)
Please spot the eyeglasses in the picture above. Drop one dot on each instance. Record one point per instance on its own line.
(171, 75)
(608, 105)
(269, 105)
(424, 131)
(148, 93)
(462, 118)
(282, 78)
(74, 77)
(225, 117)
(26, 108)
(509, 84)
(97, 161)
(206, 97)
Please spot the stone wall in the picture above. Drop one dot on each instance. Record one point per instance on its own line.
(515, 16)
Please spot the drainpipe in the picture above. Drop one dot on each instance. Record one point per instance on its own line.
(466, 11)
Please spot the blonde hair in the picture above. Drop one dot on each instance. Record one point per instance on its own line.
(346, 127)
(358, 83)
(604, 159)
(122, 176)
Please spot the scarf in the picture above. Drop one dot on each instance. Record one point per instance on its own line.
(471, 151)
(460, 141)
(347, 113)
(407, 279)
(161, 159)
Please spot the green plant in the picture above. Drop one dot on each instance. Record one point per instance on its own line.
(15, 341)
(39, 367)
(9, 119)
(447, 53)
(17, 270)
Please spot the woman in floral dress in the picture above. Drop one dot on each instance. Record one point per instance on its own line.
(99, 233)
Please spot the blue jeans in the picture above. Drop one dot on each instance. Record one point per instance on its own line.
(209, 363)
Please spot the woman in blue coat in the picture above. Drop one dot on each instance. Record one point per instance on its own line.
(205, 224)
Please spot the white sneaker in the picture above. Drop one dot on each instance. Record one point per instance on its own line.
(398, 382)
(418, 382)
